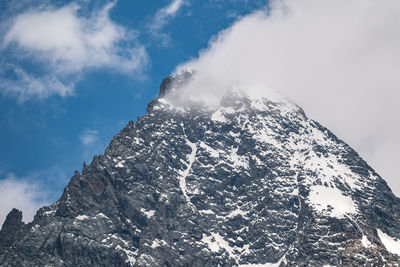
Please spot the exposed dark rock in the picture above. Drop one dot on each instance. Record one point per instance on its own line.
(11, 228)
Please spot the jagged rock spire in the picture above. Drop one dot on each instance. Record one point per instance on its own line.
(174, 82)
(11, 227)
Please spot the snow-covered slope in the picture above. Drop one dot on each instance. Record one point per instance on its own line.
(249, 182)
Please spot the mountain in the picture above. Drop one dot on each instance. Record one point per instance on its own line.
(249, 182)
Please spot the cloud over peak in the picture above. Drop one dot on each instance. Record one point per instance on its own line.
(338, 59)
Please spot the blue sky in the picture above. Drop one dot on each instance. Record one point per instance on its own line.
(73, 73)
(46, 134)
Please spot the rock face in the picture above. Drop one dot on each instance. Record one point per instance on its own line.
(11, 228)
(251, 181)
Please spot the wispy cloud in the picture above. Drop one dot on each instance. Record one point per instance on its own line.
(162, 17)
(166, 13)
(92, 144)
(26, 85)
(89, 137)
(63, 43)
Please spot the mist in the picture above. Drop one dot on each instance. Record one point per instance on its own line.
(338, 59)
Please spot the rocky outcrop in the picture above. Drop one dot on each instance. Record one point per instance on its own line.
(11, 228)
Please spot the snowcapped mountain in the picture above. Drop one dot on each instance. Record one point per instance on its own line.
(249, 182)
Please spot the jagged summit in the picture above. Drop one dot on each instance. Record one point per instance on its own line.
(177, 81)
(249, 181)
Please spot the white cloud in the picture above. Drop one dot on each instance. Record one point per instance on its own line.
(26, 85)
(338, 59)
(22, 194)
(92, 144)
(65, 43)
(171, 9)
(162, 17)
(89, 137)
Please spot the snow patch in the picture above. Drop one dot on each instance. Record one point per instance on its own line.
(215, 242)
(366, 243)
(265, 134)
(82, 217)
(148, 213)
(238, 160)
(218, 116)
(331, 201)
(120, 164)
(238, 211)
(391, 244)
(213, 152)
(295, 192)
(34, 228)
(158, 243)
(101, 215)
(206, 212)
(185, 173)
(130, 255)
(50, 212)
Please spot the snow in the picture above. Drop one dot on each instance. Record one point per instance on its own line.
(50, 212)
(158, 243)
(295, 192)
(238, 211)
(392, 245)
(216, 242)
(213, 152)
(148, 213)
(34, 228)
(366, 243)
(327, 167)
(234, 134)
(207, 212)
(258, 104)
(120, 164)
(129, 254)
(114, 236)
(185, 173)
(137, 140)
(82, 217)
(238, 160)
(331, 201)
(101, 215)
(218, 116)
(265, 134)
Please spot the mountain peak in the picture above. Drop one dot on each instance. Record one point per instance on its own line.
(177, 81)
(248, 182)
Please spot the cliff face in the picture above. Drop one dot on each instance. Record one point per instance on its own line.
(250, 181)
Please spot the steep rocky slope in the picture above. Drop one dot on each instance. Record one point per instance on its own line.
(250, 181)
